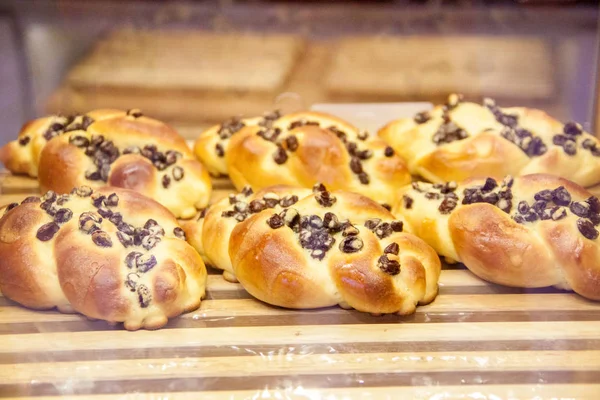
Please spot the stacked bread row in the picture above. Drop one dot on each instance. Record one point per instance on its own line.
(326, 213)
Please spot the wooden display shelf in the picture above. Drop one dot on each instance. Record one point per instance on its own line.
(475, 338)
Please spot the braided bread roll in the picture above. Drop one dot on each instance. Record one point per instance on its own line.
(116, 148)
(110, 254)
(460, 140)
(209, 234)
(531, 231)
(22, 156)
(302, 149)
(308, 250)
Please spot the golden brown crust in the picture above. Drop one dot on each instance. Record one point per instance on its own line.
(498, 142)
(88, 272)
(278, 267)
(256, 152)
(537, 240)
(64, 165)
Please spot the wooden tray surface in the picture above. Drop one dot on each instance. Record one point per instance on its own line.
(475, 339)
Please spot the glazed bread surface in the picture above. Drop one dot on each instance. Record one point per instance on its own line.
(109, 254)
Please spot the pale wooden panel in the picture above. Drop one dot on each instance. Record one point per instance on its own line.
(300, 335)
(565, 391)
(535, 303)
(430, 66)
(188, 60)
(299, 364)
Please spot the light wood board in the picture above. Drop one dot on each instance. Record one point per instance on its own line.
(476, 340)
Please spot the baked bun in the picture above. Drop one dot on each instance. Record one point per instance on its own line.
(302, 149)
(296, 249)
(460, 140)
(116, 148)
(22, 156)
(531, 231)
(109, 254)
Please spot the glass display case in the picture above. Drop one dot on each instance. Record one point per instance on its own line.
(195, 64)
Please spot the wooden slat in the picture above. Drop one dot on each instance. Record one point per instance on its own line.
(300, 364)
(19, 184)
(299, 336)
(564, 391)
(534, 303)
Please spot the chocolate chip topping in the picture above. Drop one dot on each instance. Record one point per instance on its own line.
(388, 152)
(275, 221)
(291, 143)
(228, 128)
(179, 233)
(580, 208)
(408, 201)
(325, 198)
(166, 181)
(219, 150)
(351, 244)
(318, 187)
(288, 200)
(331, 222)
(178, 173)
(135, 112)
(390, 267)
(392, 248)
(356, 165)
(10, 207)
(422, 117)
(126, 228)
(47, 231)
(587, 229)
(144, 296)
(314, 236)
(290, 216)
(145, 262)
(280, 156)
(371, 224)
(448, 132)
(49, 196)
(116, 219)
(101, 238)
(257, 206)
(572, 129)
(31, 199)
(131, 281)
(150, 241)
(363, 178)
(531, 145)
(63, 215)
(79, 141)
(24, 140)
(104, 212)
(131, 259)
(271, 200)
(383, 230)
(362, 135)
(397, 226)
(350, 230)
(125, 239)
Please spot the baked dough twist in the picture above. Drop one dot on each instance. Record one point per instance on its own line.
(302, 149)
(110, 254)
(460, 140)
(531, 231)
(296, 249)
(111, 147)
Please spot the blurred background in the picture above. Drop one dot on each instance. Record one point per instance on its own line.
(194, 63)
